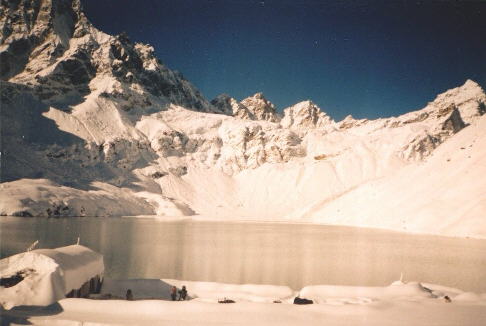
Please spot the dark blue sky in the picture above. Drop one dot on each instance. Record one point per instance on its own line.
(369, 59)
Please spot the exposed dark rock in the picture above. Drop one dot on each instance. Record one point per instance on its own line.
(481, 108)
(158, 175)
(298, 300)
(454, 123)
(15, 279)
(22, 214)
(179, 171)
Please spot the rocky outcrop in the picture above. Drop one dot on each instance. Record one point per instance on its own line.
(228, 105)
(349, 122)
(255, 107)
(449, 123)
(249, 145)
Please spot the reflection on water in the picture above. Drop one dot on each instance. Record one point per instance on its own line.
(265, 253)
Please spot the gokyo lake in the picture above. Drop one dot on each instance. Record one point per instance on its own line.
(260, 253)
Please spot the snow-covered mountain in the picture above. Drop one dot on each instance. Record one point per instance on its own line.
(94, 124)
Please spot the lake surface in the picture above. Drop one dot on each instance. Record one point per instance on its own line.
(263, 253)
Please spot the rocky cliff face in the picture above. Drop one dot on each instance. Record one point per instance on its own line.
(231, 106)
(52, 47)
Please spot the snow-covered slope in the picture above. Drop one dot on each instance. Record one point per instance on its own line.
(93, 118)
(444, 194)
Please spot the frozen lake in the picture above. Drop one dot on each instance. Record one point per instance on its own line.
(262, 253)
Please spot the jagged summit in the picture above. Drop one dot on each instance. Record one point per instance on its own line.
(50, 45)
(261, 108)
(305, 115)
(255, 107)
(469, 98)
(259, 96)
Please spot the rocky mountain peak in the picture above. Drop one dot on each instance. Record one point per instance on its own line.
(261, 108)
(259, 96)
(305, 115)
(471, 84)
(449, 113)
(50, 45)
(469, 98)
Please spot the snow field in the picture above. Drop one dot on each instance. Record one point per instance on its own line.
(398, 304)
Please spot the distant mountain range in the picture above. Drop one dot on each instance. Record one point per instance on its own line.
(95, 125)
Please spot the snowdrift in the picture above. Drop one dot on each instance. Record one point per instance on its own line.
(400, 303)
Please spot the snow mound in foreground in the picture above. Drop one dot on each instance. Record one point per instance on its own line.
(202, 291)
(263, 293)
(48, 274)
(397, 304)
(356, 294)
